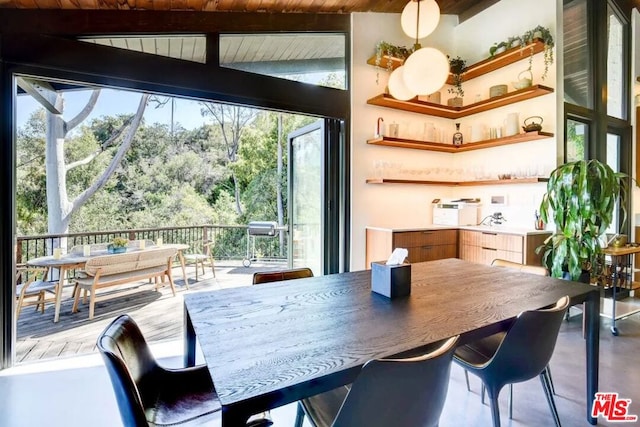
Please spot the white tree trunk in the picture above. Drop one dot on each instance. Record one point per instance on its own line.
(57, 203)
(59, 208)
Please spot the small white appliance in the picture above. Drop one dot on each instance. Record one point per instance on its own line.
(456, 212)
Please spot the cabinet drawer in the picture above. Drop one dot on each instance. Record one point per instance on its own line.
(410, 239)
(483, 255)
(432, 252)
(491, 240)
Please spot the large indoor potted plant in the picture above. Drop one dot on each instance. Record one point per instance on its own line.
(580, 200)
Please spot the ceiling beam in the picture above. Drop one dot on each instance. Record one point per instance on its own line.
(475, 9)
(34, 88)
(70, 60)
(100, 22)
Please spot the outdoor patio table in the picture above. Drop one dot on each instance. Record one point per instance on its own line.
(270, 345)
(70, 262)
(64, 264)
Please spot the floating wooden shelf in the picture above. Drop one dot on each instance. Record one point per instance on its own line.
(457, 183)
(485, 66)
(423, 107)
(450, 148)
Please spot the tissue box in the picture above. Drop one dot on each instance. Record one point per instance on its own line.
(391, 280)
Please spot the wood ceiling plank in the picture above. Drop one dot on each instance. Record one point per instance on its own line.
(463, 8)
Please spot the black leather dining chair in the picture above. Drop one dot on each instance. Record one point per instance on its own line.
(274, 276)
(387, 392)
(524, 268)
(150, 395)
(517, 355)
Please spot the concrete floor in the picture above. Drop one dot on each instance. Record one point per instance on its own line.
(76, 391)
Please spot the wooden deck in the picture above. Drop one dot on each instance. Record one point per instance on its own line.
(159, 314)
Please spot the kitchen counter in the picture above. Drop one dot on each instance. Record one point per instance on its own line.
(500, 229)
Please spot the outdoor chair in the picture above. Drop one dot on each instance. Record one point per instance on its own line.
(203, 254)
(32, 288)
(275, 276)
(517, 355)
(387, 392)
(150, 395)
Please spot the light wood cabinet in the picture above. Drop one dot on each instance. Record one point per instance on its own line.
(484, 246)
(422, 245)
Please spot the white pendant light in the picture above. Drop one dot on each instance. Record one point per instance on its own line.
(397, 87)
(425, 71)
(419, 18)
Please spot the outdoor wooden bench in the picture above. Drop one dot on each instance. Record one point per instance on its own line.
(110, 270)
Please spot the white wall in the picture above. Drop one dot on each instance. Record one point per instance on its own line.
(405, 205)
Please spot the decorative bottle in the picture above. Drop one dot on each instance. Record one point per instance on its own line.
(457, 136)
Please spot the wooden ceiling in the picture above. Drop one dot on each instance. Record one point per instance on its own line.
(464, 8)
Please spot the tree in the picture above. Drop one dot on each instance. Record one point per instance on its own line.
(59, 206)
(232, 121)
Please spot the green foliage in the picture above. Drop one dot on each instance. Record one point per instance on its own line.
(169, 177)
(458, 66)
(581, 197)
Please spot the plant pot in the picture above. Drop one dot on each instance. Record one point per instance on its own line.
(454, 102)
(116, 250)
(585, 276)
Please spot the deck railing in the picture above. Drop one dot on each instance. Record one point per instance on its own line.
(230, 241)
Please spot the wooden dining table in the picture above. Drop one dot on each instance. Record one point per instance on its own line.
(273, 344)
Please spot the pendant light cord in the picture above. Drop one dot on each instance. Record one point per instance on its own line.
(417, 46)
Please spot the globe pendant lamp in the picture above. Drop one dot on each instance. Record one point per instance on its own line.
(426, 69)
(397, 87)
(424, 13)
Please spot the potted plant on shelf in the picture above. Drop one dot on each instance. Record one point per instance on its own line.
(457, 67)
(118, 245)
(391, 51)
(580, 200)
(544, 34)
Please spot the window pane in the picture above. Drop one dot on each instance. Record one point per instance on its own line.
(577, 135)
(577, 77)
(613, 160)
(615, 66)
(188, 48)
(310, 58)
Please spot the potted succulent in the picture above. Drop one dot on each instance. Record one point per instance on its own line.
(580, 200)
(458, 67)
(118, 245)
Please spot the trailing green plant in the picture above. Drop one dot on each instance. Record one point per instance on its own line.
(580, 199)
(494, 49)
(544, 34)
(387, 49)
(457, 67)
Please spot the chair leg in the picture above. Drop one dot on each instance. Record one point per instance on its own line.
(92, 303)
(495, 410)
(510, 401)
(466, 379)
(213, 268)
(76, 300)
(299, 416)
(547, 372)
(550, 400)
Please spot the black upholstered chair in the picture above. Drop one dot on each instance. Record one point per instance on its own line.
(538, 270)
(387, 392)
(150, 395)
(519, 354)
(274, 276)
